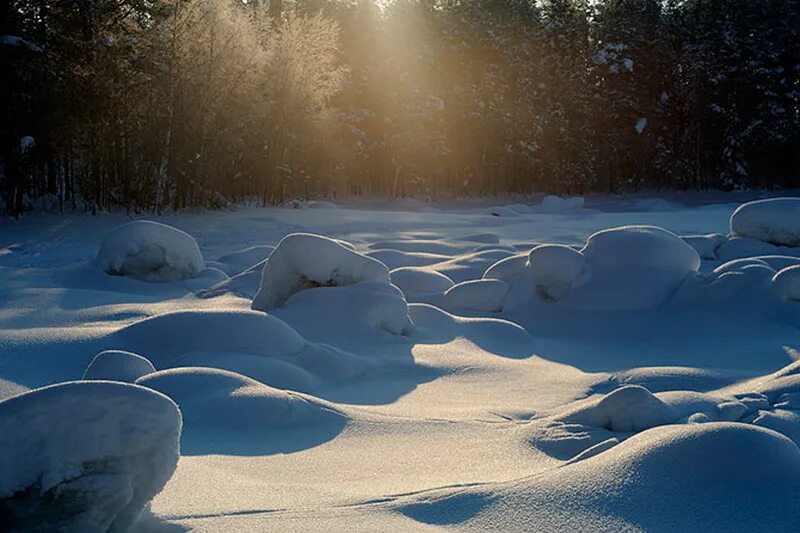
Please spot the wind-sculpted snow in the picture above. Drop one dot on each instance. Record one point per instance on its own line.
(786, 283)
(84, 456)
(706, 472)
(775, 221)
(150, 251)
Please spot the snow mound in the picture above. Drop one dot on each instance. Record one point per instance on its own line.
(786, 284)
(118, 365)
(705, 471)
(303, 261)
(150, 251)
(556, 204)
(256, 344)
(84, 456)
(214, 400)
(507, 268)
(706, 245)
(555, 269)
(241, 260)
(631, 408)
(634, 267)
(477, 295)
(417, 279)
(776, 221)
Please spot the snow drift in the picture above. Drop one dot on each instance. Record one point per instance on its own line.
(150, 251)
(84, 456)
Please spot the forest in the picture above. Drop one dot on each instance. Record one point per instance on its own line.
(154, 105)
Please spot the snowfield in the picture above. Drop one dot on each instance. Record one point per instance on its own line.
(554, 364)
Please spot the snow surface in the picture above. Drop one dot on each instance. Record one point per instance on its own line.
(84, 456)
(423, 366)
(150, 251)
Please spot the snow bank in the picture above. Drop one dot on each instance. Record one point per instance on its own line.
(776, 221)
(84, 456)
(556, 204)
(304, 261)
(555, 269)
(118, 365)
(477, 295)
(786, 284)
(150, 251)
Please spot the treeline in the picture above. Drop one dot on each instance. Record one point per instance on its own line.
(159, 104)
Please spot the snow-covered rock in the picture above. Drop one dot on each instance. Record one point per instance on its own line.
(507, 268)
(420, 280)
(626, 409)
(303, 261)
(118, 365)
(150, 251)
(84, 456)
(634, 267)
(555, 269)
(775, 220)
(786, 284)
(477, 295)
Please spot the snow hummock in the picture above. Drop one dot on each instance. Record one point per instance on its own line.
(118, 365)
(150, 251)
(304, 261)
(555, 269)
(786, 284)
(84, 456)
(477, 295)
(420, 280)
(631, 408)
(775, 220)
(557, 204)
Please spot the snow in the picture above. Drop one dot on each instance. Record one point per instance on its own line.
(426, 366)
(555, 269)
(775, 221)
(556, 204)
(786, 284)
(84, 456)
(150, 251)
(302, 261)
(118, 365)
(477, 295)
(641, 124)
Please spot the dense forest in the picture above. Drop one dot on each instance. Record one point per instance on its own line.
(164, 104)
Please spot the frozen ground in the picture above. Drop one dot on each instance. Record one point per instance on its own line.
(395, 376)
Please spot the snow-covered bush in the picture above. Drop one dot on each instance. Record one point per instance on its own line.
(304, 261)
(786, 284)
(150, 251)
(477, 295)
(84, 456)
(776, 221)
(555, 269)
(507, 268)
(118, 365)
